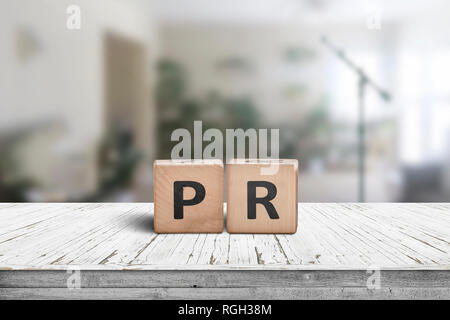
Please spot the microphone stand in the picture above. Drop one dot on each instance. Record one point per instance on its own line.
(363, 81)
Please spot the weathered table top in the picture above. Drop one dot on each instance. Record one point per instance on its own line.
(120, 236)
(334, 246)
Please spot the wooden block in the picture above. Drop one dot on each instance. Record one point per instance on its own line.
(262, 203)
(188, 196)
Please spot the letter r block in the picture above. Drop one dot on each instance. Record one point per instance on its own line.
(262, 195)
(188, 196)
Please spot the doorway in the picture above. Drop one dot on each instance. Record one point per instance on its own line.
(127, 116)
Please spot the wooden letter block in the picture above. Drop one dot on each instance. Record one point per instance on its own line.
(188, 196)
(261, 201)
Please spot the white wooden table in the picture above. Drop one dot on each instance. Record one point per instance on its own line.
(110, 251)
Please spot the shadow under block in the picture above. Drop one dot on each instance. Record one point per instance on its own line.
(188, 196)
(262, 203)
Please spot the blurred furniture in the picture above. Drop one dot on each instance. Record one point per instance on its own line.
(363, 251)
(326, 186)
(423, 183)
(20, 165)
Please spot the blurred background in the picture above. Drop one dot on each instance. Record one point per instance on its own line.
(90, 91)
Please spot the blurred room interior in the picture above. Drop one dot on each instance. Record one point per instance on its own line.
(85, 112)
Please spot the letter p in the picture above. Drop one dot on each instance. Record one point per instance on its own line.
(178, 197)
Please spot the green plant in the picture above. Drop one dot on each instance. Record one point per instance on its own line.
(177, 110)
(119, 159)
(13, 185)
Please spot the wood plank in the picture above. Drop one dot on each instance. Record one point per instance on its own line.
(120, 236)
(226, 294)
(223, 278)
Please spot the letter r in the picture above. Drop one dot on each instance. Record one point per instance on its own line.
(252, 200)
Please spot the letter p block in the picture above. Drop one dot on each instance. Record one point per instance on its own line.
(188, 196)
(261, 200)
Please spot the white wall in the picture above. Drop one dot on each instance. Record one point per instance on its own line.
(199, 47)
(63, 80)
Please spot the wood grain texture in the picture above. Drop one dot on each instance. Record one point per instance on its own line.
(223, 278)
(115, 236)
(284, 177)
(228, 294)
(118, 253)
(204, 217)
